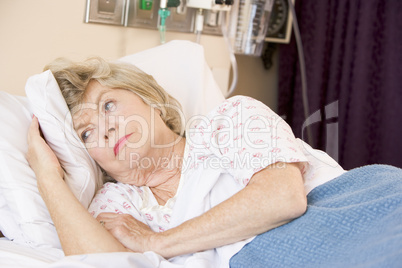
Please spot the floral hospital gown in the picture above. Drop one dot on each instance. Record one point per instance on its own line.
(223, 150)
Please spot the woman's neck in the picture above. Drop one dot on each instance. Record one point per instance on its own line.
(164, 179)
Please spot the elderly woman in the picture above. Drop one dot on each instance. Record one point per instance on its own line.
(234, 174)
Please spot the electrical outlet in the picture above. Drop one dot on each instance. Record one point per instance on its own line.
(105, 11)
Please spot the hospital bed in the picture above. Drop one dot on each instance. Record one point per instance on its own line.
(352, 221)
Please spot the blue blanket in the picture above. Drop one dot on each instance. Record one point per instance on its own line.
(354, 220)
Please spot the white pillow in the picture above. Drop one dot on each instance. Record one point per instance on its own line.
(179, 67)
(82, 174)
(30, 219)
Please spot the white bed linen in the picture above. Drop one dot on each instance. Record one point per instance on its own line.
(14, 255)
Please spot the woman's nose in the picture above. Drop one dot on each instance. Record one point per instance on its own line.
(110, 130)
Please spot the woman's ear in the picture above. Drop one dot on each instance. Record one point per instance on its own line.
(157, 111)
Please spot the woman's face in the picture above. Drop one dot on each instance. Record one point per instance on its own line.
(115, 126)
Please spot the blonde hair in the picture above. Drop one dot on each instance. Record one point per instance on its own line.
(74, 77)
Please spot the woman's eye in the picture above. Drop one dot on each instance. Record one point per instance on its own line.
(85, 135)
(109, 106)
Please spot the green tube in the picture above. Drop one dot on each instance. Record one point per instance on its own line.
(162, 33)
(163, 14)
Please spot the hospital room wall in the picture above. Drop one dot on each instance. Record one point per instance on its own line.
(33, 33)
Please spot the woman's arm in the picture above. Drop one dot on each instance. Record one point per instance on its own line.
(78, 231)
(273, 197)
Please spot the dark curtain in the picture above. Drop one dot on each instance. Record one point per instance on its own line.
(353, 54)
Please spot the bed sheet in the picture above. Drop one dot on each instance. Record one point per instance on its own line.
(16, 255)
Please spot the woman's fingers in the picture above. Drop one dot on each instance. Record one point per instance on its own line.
(33, 129)
(132, 233)
(107, 215)
(106, 219)
(33, 136)
(109, 220)
(40, 156)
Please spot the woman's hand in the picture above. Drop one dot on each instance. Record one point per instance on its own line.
(40, 156)
(132, 233)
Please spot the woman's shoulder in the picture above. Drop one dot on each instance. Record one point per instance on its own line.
(236, 103)
(230, 112)
(232, 119)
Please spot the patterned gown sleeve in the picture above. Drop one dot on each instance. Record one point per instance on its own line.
(117, 198)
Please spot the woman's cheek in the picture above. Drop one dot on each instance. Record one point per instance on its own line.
(98, 154)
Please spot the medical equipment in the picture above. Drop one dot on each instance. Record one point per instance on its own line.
(247, 22)
(105, 11)
(215, 6)
(211, 5)
(248, 25)
(163, 14)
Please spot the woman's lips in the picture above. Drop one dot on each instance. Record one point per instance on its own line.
(120, 144)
